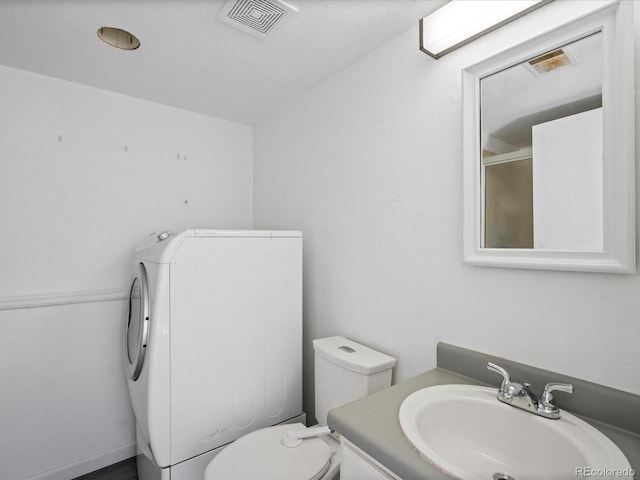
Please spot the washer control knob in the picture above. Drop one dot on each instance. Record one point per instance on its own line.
(163, 236)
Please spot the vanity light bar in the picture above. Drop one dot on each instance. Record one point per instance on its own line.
(461, 21)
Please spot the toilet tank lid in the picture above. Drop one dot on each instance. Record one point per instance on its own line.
(352, 356)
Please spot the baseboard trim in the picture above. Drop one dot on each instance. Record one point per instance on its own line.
(68, 298)
(89, 464)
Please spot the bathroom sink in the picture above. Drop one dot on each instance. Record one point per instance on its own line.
(464, 431)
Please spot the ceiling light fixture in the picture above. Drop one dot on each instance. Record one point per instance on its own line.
(461, 21)
(116, 37)
(551, 61)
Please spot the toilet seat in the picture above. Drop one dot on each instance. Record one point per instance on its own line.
(261, 455)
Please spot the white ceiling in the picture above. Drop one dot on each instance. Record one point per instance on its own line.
(189, 59)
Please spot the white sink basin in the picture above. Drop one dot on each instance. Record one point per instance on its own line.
(467, 433)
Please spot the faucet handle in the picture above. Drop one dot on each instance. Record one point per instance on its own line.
(545, 407)
(506, 378)
(546, 396)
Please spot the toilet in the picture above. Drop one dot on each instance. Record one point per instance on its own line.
(344, 371)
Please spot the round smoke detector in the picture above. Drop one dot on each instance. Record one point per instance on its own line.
(116, 37)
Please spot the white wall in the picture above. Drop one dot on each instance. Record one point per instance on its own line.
(369, 166)
(85, 176)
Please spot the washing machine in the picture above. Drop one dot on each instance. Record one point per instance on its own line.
(212, 344)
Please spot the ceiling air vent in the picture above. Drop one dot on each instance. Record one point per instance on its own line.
(257, 17)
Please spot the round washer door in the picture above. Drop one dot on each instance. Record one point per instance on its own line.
(137, 325)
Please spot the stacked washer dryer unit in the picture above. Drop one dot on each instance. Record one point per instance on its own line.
(213, 344)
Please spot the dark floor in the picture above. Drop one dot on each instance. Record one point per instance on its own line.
(125, 470)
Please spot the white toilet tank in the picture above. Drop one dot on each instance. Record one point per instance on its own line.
(346, 371)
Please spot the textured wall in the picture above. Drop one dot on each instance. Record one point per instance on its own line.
(86, 176)
(369, 166)
(86, 171)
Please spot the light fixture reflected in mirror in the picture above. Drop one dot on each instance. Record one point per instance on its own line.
(461, 21)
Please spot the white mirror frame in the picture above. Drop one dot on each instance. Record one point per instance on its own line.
(615, 20)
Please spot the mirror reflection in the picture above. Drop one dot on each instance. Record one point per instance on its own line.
(542, 152)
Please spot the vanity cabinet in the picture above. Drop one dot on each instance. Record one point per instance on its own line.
(357, 465)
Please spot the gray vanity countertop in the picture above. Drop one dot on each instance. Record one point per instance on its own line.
(372, 424)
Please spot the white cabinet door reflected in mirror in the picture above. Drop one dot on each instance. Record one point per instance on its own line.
(549, 159)
(567, 183)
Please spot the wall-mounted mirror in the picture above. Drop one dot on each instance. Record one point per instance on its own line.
(549, 148)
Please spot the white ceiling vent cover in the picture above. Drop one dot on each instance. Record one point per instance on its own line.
(257, 17)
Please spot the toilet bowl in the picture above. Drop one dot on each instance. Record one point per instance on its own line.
(344, 371)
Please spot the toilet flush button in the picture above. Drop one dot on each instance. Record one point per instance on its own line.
(163, 236)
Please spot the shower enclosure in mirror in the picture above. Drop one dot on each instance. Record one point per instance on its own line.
(549, 155)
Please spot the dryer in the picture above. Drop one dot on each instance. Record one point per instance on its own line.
(213, 343)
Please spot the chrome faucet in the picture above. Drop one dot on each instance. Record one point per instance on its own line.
(519, 395)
